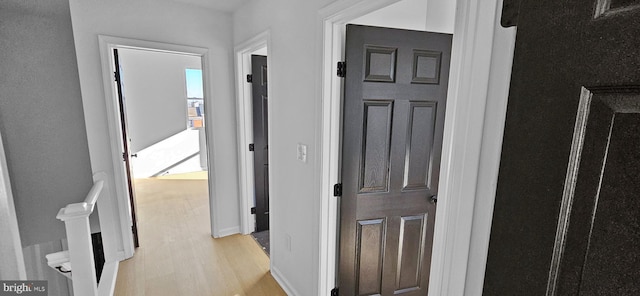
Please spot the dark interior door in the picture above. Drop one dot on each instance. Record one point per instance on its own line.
(567, 211)
(260, 140)
(126, 153)
(394, 107)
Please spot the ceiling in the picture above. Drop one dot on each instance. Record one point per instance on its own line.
(222, 5)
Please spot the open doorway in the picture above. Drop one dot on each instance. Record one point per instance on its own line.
(252, 63)
(121, 156)
(260, 147)
(253, 129)
(161, 99)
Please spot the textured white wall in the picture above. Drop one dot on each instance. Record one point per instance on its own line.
(167, 22)
(41, 116)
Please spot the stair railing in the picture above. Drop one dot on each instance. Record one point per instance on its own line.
(77, 263)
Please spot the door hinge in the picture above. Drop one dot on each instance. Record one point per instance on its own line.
(342, 69)
(252, 147)
(335, 292)
(124, 156)
(253, 210)
(337, 189)
(249, 78)
(115, 76)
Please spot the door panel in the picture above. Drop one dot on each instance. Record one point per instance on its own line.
(374, 176)
(420, 136)
(612, 263)
(411, 246)
(260, 140)
(566, 214)
(599, 256)
(395, 95)
(370, 251)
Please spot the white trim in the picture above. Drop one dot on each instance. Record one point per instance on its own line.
(107, 285)
(471, 66)
(242, 53)
(284, 284)
(11, 257)
(82, 209)
(495, 115)
(228, 231)
(470, 69)
(107, 44)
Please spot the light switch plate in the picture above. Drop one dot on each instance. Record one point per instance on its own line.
(302, 152)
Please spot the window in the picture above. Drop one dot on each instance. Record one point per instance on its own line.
(195, 98)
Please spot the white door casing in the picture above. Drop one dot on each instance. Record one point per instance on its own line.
(123, 221)
(244, 108)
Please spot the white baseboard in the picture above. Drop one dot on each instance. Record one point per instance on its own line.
(284, 284)
(229, 231)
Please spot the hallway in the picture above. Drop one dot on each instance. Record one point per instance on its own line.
(178, 256)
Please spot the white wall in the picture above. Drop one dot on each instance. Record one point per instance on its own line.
(11, 256)
(37, 267)
(155, 92)
(406, 14)
(421, 15)
(441, 16)
(294, 118)
(41, 117)
(168, 22)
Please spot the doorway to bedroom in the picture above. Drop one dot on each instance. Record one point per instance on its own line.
(162, 110)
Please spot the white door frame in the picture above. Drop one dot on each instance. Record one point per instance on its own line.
(107, 44)
(244, 107)
(466, 157)
(11, 257)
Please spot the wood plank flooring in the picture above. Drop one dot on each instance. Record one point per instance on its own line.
(178, 256)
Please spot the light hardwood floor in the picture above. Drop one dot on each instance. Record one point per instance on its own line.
(178, 256)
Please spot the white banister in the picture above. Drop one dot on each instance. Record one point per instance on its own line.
(76, 222)
(78, 262)
(82, 209)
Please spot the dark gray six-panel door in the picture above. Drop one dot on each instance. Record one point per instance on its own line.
(394, 107)
(567, 211)
(260, 140)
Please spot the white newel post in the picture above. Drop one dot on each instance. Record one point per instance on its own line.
(83, 272)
